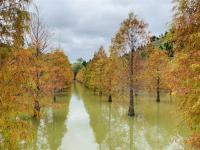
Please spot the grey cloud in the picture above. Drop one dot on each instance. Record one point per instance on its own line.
(81, 26)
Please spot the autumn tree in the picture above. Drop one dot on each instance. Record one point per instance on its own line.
(186, 29)
(15, 84)
(116, 72)
(14, 75)
(27, 73)
(60, 72)
(81, 75)
(100, 66)
(94, 74)
(38, 41)
(112, 64)
(154, 73)
(131, 36)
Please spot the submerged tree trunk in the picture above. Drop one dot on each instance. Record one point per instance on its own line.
(75, 73)
(170, 94)
(136, 89)
(110, 98)
(54, 98)
(131, 111)
(110, 95)
(54, 95)
(158, 89)
(36, 102)
(100, 93)
(36, 109)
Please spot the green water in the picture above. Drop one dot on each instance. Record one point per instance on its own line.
(88, 122)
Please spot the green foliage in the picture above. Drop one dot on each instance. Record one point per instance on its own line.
(77, 66)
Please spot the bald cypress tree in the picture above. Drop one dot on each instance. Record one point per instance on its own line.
(131, 36)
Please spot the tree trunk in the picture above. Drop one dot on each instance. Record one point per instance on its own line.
(158, 90)
(170, 94)
(100, 93)
(131, 111)
(110, 98)
(36, 109)
(75, 73)
(54, 98)
(36, 102)
(54, 95)
(136, 89)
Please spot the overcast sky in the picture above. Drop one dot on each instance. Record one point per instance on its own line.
(79, 27)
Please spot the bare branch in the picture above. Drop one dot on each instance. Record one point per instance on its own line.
(39, 34)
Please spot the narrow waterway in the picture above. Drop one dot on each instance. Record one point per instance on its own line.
(87, 122)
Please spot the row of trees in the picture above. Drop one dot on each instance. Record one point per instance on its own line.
(137, 61)
(29, 76)
(134, 63)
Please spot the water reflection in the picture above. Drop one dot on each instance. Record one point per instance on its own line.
(88, 122)
(51, 129)
(79, 135)
(155, 126)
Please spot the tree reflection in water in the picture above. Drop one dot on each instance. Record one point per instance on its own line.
(150, 129)
(51, 129)
(106, 126)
